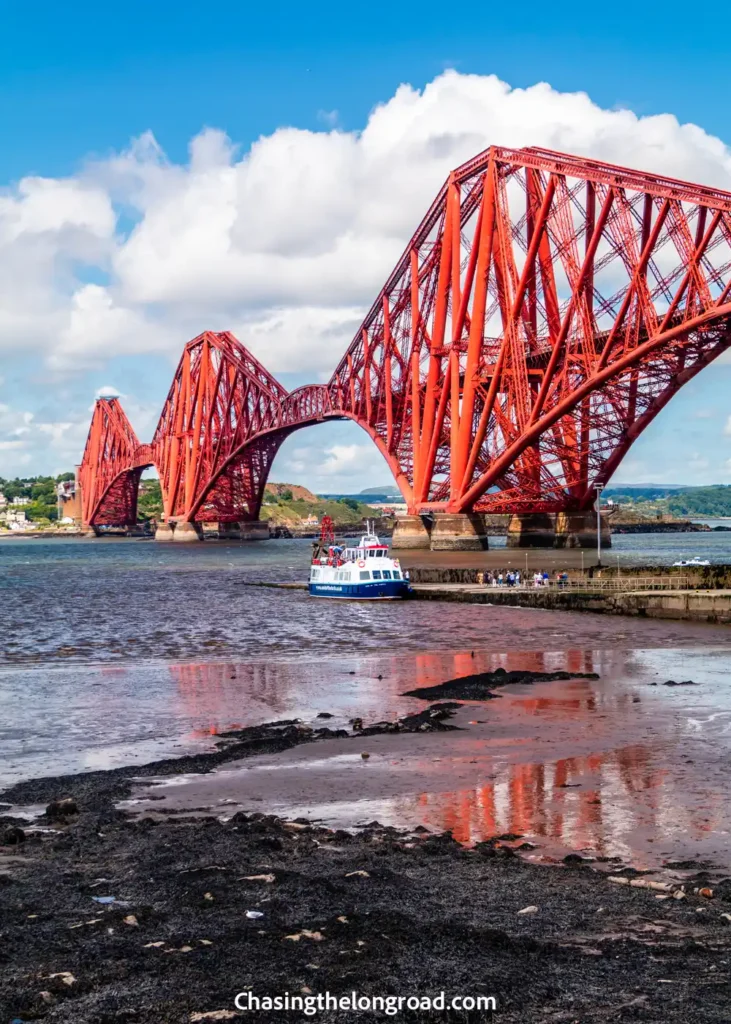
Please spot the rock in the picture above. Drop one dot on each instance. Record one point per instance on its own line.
(212, 1015)
(480, 685)
(306, 934)
(62, 808)
(325, 714)
(357, 724)
(131, 920)
(357, 874)
(365, 755)
(47, 998)
(66, 977)
(685, 682)
(253, 915)
(13, 836)
(260, 878)
(528, 910)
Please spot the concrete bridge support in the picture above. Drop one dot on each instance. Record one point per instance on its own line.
(411, 533)
(257, 529)
(178, 533)
(536, 530)
(441, 531)
(557, 530)
(578, 530)
(461, 531)
(187, 533)
(229, 531)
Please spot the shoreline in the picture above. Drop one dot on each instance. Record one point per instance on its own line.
(195, 910)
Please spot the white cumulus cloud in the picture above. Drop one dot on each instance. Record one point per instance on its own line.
(287, 242)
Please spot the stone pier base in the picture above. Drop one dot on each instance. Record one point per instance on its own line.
(556, 530)
(164, 532)
(534, 530)
(410, 533)
(257, 529)
(229, 531)
(461, 531)
(578, 530)
(185, 533)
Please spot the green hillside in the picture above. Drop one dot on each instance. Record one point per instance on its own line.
(712, 501)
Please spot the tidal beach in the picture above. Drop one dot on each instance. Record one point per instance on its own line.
(119, 696)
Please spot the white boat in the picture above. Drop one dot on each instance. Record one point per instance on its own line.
(365, 571)
(686, 562)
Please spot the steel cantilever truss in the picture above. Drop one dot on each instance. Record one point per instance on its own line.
(545, 311)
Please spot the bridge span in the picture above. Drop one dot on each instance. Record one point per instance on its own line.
(547, 308)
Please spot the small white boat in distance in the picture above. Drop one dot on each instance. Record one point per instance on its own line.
(365, 571)
(683, 563)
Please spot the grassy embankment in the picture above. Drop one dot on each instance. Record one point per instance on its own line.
(291, 505)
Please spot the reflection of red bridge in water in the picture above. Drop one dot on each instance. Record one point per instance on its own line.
(613, 797)
(545, 311)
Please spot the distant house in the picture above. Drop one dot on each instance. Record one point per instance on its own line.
(12, 517)
(20, 501)
(3, 499)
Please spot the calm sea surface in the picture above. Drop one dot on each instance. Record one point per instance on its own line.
(118, 652)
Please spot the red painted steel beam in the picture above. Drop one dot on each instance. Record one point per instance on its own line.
(545, 310)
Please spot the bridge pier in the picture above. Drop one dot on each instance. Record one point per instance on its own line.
(557, 530)
(164, 532)
(185, 533)
(532, 530)
(256, 529)
(229, 531)
(461, 531)
(578, 530)
(410, 533)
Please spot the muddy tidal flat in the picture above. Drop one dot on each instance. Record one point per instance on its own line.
(108, 917)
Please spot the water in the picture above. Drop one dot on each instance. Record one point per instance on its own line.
(120, 652)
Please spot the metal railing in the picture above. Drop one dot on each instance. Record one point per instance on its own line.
(607, 583)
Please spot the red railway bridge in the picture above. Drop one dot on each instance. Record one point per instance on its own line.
(544, 312)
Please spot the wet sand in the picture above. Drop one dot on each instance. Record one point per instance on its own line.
(615, 766)
(194, 911)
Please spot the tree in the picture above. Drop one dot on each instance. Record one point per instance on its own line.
(351, 503)
(286, 495)
(39, 510)
(149, 502)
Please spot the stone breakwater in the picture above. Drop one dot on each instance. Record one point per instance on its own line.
(692, 605)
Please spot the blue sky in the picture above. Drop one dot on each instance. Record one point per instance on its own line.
(85, 309)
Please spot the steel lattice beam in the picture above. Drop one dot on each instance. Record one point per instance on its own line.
(546, 309)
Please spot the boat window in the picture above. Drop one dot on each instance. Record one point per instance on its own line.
(365, 575)
(376, 574)
(315, 574)
(387, 574)
(396, 574)
(380, 554)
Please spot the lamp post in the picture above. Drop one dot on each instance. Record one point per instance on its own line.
(598, 487)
